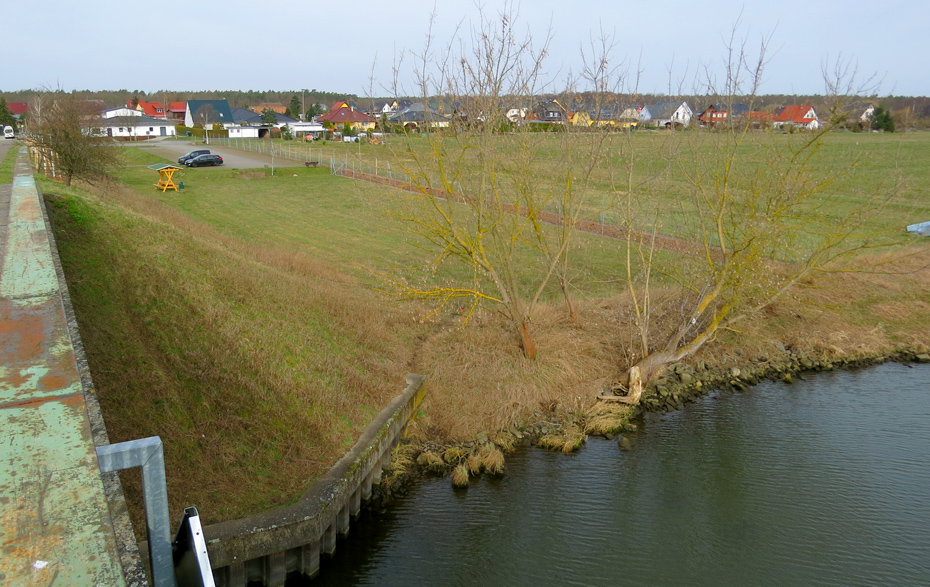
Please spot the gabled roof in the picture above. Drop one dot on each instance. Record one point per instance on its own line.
(664, 109)
(734, 109)
(148, 108)
(220, 107)
(342, 113)
(134, 121)
(177, 106)
(417, 112)
(795, 113)
(244, 115)
(17, 108)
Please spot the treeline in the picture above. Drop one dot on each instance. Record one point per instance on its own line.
(236, 98)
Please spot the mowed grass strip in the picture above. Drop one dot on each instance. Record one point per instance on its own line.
(258, 368)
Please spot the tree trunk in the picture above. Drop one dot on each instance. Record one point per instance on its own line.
(572, 312)
(67, 179)
(526, 341)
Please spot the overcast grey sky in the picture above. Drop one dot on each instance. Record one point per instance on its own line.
(287, 44)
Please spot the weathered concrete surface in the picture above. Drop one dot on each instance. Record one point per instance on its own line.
(55, 526)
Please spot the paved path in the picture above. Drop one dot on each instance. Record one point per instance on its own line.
(55, 526)
(233, 158)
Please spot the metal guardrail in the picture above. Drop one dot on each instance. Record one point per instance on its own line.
(147, 453)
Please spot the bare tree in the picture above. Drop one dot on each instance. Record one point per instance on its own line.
(766, 213)
(64, 134)
(489, 190)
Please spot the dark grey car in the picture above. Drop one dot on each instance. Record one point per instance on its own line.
(204, 161)
(185, 158)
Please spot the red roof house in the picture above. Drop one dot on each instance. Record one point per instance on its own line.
(17, 108)
(797, 115)
(341, 113)
(153, 109)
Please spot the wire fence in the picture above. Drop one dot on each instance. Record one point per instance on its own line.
(377, 171)
(315, 156)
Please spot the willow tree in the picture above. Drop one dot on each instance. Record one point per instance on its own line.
(763, 210)
(64, 134)
(500, 178)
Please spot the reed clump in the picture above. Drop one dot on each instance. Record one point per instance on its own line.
(474, 464)
(454, 455)
(404, 459)
(568, 439)
(460, 476)
(432, 461)
(507, 441)
(492, 459)
(607, 418)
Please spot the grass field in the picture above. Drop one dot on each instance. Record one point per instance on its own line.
(239, 318)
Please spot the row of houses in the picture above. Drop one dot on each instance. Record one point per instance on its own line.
(663, 114)
(144, 119)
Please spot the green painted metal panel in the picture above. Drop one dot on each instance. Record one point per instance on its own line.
(55, 526)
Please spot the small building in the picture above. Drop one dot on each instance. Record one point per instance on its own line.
(175, 111)
(722, 114)
(152, 109)
(666, 114)
(135, 126)
(798, 116)
(304, 129)
(419, 115)
(247, 132)
(342, 113)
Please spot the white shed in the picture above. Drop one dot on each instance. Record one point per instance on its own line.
(243, 132)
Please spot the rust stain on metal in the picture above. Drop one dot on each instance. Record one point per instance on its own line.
(54, 510)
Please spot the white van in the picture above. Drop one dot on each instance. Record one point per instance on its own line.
(8, 132)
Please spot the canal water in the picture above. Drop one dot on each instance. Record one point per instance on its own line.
(824, 482)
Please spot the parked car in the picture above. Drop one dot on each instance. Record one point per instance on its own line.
(185, 158)
(204, 161)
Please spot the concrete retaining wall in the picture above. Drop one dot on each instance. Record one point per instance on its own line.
(267, 546)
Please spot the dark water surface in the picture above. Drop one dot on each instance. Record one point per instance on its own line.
(824, 482)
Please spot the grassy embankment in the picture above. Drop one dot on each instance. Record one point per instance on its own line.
(238, 320)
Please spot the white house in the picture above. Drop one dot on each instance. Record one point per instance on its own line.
(666, 114)
(135, 126)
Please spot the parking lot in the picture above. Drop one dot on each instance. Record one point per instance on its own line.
(172, 149)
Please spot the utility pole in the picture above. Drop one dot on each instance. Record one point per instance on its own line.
(303, 107)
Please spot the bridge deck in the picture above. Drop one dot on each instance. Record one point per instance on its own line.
(55, 527)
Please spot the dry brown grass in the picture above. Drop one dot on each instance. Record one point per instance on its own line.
(568, 439)
(474, 464)
(432, 461)
(460, 476)
(505, 440)
(454, 455)
(492, 459)
(607, 418)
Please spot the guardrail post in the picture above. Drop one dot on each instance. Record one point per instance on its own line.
(147, 453)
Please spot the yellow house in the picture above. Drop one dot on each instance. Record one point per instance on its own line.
(580, 118)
